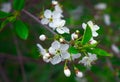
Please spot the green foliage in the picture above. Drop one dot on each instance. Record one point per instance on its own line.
(99, 52)
(87, 35)
(18, 4)
(6, 21)
(21, 29)
(67, 36)
(3, 14)
(72, 50)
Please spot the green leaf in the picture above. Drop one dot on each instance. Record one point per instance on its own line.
(21, 29)
(99, 52)
(72, 50)
(6, 21)
(18, 4)
(3, 24)
(3, 14)
(87, 35)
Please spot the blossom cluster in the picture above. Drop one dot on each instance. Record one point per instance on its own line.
(54, 19)
(62, 50)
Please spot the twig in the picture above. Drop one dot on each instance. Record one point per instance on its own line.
(19, 57)
(14, 58)
(3, 74)
(37, 20)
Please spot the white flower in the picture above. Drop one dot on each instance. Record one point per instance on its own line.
(101, 6)
(6, 7)
(59, 52)
(74, 36)
(87, 60)
(50, 16)
(92, 41)
(107, 19)
(79, 74)
(42, 37)
(59, 25)
(93, 27)
(67, 71)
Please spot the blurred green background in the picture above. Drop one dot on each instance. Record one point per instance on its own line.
(20, 60)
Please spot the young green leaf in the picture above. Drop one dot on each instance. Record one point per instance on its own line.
(18, 4)
(100, 52)
(87, 35)
(72, 50)
(21, 29)
(3, 14)
(5, 22)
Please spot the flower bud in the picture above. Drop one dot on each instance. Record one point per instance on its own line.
(47, 55)
(61, 40)
(54, 2)
(74, 36)
(67, 71)
(42, 37)
(45, 58)
(79, 74)
(77, 31)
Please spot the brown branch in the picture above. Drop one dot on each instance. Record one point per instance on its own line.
(15, 58)
(19, 57)
(3, 74)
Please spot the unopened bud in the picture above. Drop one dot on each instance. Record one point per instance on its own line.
(67, 71)
(42, 37)
(74, 36)
(78, 73)
(77, 31)
(61, 40)
(54, 2)
(47, 55)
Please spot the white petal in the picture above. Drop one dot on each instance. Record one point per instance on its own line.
(65, 55)
(60, 30)
(56, 59)
(51, 50)
(107, 19)
(48, 13)
(75, 56)
(61, 23)
(44, 21)
(94, 34)
(92, 41)
(115, 48)
(41, 49)
(90, 23)
(64, 47)
(52, 25)
(84, 25)
(58, 8)
(55, 45)
(92, 56)
(66, 30)
(96, 27)
(56, 14)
